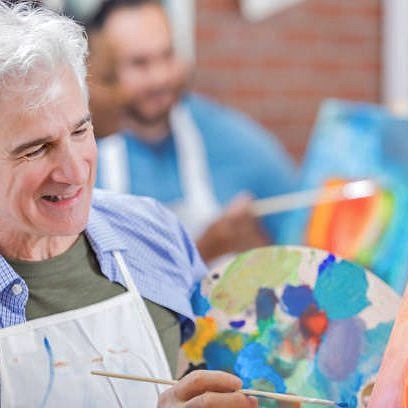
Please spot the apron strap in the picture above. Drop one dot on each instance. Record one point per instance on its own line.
(196, 181)
(147, 320)
(114, 164)
(199, 206)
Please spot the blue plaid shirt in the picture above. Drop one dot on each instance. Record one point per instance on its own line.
(161, 258)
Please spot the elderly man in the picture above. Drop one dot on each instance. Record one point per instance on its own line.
(205, 161)
(78, 267)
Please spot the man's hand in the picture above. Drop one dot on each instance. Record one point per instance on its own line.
(206, 389)
(235, 231)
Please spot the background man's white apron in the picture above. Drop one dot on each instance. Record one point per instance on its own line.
(199, 206)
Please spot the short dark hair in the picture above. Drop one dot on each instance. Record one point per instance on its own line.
(107, 7)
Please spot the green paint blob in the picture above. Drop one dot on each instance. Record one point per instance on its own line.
(238, 287)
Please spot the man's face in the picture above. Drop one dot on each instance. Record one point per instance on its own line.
(47, 164)
(147, 70)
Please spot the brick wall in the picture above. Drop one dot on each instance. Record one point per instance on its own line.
(279, 70)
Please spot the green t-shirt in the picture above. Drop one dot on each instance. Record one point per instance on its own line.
(73, 280)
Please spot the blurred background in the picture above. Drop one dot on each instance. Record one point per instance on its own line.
(278, 59)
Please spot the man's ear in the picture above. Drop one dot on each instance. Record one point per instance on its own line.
(105, 97)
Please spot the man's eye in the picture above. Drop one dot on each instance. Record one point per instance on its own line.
(36, 153)
(80, 132)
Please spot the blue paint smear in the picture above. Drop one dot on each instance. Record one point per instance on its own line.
(237, 324)
(251, 365)
(265, 302)
(219, 357)
(199, 303)
(341, 290)
(51, 374)
(326, 262)
(296, 299)
(376, 340)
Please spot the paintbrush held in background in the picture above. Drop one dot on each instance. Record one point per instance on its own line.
(309, 198)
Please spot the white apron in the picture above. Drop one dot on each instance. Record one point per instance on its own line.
(47, 362)
(199, 206)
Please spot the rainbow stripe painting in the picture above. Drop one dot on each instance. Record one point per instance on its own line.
(349, 143)
(294, 320)
(353, 229)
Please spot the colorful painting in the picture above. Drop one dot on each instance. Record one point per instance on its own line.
(353, 229)
(353, 141)
(294, 320)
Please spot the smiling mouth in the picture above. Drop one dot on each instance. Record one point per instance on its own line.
(57, 198)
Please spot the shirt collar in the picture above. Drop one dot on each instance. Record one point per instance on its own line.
(7, 274)
(101, 235)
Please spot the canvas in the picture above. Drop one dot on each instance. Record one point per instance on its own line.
(353, 141)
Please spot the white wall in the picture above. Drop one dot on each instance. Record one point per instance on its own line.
(182, 13)
(395, 55)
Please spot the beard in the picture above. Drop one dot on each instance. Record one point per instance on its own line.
(139, 116)
(139, 111)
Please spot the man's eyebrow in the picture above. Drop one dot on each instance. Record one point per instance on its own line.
(23, 147)
(81, 122)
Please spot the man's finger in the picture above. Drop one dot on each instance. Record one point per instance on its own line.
(200, 381)
(216, 400)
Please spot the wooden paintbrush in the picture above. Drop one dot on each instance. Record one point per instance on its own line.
(255, 393)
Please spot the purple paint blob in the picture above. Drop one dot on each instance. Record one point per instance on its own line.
(296, 299)
(237, 324)
(340, 349)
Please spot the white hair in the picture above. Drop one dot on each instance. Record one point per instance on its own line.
(36, 46)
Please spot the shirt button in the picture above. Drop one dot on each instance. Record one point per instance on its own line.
(17, 289)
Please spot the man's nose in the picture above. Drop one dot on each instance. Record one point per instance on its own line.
(159, 72)
(70, 167)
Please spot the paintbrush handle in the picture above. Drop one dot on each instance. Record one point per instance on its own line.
(308, 198)
(255, 393)
(288, 397)
(135, 378)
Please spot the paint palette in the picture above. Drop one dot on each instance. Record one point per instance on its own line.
(294, 320)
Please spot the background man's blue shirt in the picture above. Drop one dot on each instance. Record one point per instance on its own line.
(241, 155)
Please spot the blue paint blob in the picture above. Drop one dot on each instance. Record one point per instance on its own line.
(251, 365)
(352, 403)
(342, 404)
(51, 374)
(341, 290)
(326, 262)
(237, 324)
(199, 303)
(219, 357)
(296, 299)
(265, 302)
